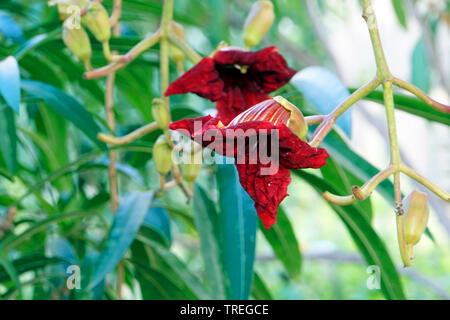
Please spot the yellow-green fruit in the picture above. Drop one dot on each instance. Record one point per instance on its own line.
(160, 113)
(416, 216)
(176, 54)
(77, 40)
(96, 20)
(162, 155)
(258, 22)
(190, 171)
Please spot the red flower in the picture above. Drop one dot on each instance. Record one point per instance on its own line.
(250, 130)
(235, 78)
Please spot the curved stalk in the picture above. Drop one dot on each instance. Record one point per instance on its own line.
(328, 123)
(421, 95)
(136, 134)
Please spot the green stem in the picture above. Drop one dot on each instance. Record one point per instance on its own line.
(424, 181)
(164, 49)
(327, 124)
(191, 54)
(421, 95)
(369, 16)
(363, 191)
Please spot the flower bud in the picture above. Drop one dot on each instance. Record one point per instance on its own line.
(96, 20)
(176, 54)
(192, 163)
(277, 110)
(258, 22)
(77, 40)
(160, 113)
(162, 155)
(416, 216)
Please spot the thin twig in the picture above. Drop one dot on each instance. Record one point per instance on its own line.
(136, 134)
(327, 124)
(124, 60)
(421, 95)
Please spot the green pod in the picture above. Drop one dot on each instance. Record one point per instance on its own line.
(160, 113)
(258, 22)
(162, 155)
(77, 40)
(96, 20)
(416, 216)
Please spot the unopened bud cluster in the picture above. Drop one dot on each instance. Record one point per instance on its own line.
(95, 19)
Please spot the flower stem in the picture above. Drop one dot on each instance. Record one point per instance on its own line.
(190, 53)
(136, 134)
(125, 59)
(421, 95)
(371, 20)
(363, 192)
(327, 124)
(424, 181)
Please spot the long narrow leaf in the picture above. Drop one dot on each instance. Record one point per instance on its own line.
(238, 222)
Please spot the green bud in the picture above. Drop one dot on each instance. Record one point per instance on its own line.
(77, 40)
(96, 20)
(160, 113)
(416, 216)
(176, 54)
(162, 155)
(258, 22)
(191, 166)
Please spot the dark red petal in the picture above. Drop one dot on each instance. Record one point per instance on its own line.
(203, 79)
(266, 190)
(236, 100)
(273, 69)
(188, 124)
(267, 67)
(297, 154)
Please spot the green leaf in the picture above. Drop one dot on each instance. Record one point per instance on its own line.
(238, 223)
(14, 240)
(284, 243)
(420, 73)
(27, 263)
(8, 140)
(67, 106)
(411, 105)
(157, 221)
(126, 224)
(10, 82)
(399, 8)
(161, 286)
(9, 268)
(163, 260)
(207, 224)
(260, 290)
(365, 237)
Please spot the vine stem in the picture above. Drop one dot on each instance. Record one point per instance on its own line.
(136, 134)
(110, 117)
(386, 78)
